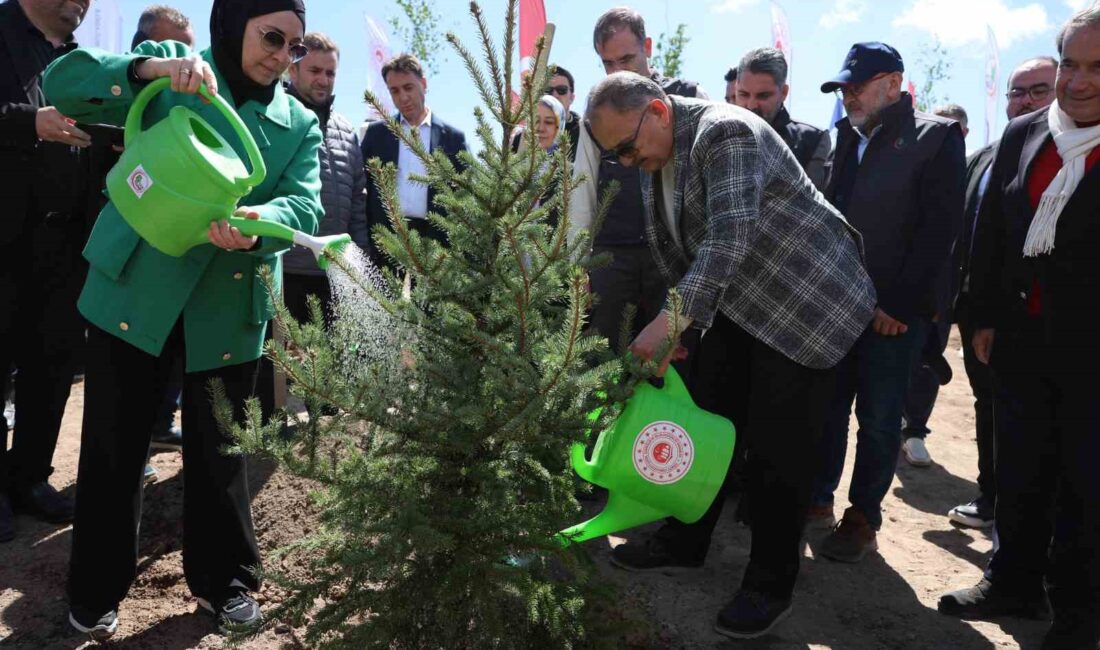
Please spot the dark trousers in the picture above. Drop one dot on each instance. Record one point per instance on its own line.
(296, 291)
(874, 375)
(41, 335)
(123, 389)
(777, 408)
(1048, 433)
(920, 401)
(981, 384)
(632, 278)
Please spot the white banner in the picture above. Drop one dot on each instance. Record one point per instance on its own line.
(102, 27)
(992, 86)
(378, 48)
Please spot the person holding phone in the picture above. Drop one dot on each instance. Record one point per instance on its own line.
(209, 305)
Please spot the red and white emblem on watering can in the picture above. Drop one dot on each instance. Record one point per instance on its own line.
(139, 181)
(663, 452)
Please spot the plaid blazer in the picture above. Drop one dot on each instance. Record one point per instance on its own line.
(758, 242)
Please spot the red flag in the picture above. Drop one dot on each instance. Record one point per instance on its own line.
(912, 93)
(532, 22)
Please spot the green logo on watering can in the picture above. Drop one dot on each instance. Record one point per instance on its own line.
(663, 452)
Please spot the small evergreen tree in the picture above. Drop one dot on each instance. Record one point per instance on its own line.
(668, 55)
(459, 380)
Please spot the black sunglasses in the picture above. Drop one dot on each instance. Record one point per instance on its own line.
(626, 149)
(274, 41)
(562, 90)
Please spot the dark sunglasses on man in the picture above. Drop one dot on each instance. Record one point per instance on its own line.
(561, 90)
(274, 41)
(625, 149)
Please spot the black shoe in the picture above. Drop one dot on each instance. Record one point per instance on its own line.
(100, 628)
(654, 554)
(751, 614)
(7, 519)
(976, 514)
(44, 502)
(985, 600)
(170, 439)
(1073, 630)
(235, 610)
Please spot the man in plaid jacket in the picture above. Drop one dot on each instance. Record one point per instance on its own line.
(774, 276)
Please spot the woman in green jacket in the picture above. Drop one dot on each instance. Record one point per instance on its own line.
(144, 307)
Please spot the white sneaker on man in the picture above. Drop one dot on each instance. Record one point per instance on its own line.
(916, 452)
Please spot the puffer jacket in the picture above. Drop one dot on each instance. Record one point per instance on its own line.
(343, 187)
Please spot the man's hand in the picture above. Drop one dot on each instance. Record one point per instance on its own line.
(222, 235)
(983, 344)
(52, 126)
(885, 325)
(647, 343)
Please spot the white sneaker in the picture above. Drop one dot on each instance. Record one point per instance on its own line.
(916, 453)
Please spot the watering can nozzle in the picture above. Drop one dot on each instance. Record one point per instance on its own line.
(323, 248)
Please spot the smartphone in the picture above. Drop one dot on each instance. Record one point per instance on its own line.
(103, 133)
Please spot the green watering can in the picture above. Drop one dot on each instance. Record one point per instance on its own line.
(664, 456)
(179, 175)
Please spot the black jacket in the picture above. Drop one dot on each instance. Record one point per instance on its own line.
(34, 176)
(804, 141)
(976, 166)
(379, 142)
(1001, 278)
(906, 199)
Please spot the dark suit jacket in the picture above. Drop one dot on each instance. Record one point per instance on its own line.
(1001, 278)
(379, 142)
(976, 166)
(22, 157)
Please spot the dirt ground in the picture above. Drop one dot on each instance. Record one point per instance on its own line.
(887, 601)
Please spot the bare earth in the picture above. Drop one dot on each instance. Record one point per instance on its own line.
(888, 601)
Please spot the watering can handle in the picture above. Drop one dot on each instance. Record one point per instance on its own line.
(674, 386)
(137, 110)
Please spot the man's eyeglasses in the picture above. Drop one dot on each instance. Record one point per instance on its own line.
(562, 90)
(274, 41)
(1038, 92)
(855, 90)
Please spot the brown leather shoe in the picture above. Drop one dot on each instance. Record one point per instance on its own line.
(852, 539)
(819, 520)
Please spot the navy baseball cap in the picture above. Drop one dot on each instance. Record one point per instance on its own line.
(864, 61)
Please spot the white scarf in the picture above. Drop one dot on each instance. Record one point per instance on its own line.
(1073, 144)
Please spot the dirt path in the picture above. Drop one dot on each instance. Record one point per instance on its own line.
(888, 601)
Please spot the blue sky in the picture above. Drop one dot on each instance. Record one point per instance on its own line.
(720, 31)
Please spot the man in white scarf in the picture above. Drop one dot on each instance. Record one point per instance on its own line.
(1035, 279)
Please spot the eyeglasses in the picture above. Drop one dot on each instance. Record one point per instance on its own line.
(855, 90)
(562, 90)
(1038, 92)
(274, 41)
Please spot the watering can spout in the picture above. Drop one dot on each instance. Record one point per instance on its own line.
(621, 513)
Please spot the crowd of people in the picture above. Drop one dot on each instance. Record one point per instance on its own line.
(813, 280)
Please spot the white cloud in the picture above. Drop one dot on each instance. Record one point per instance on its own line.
(1078, 5)
(957, 23)
(843, 12)
(732, 6)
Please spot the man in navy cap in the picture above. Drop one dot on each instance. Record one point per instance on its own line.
(898, 177)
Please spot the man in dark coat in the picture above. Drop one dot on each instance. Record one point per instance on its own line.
(1034, 278)
(41, 271)
(404, 77)
(898, 178)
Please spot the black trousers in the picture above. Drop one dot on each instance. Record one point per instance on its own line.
(1048, 435)
(778, 408)
(981, 381)
(122, 394)
(296, 290)
(631, 278)
(41, 335)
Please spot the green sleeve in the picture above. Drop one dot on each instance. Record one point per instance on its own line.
(297, 201)
(90, 85)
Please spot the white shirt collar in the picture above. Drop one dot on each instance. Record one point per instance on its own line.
(867, 138)
(427, 119)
